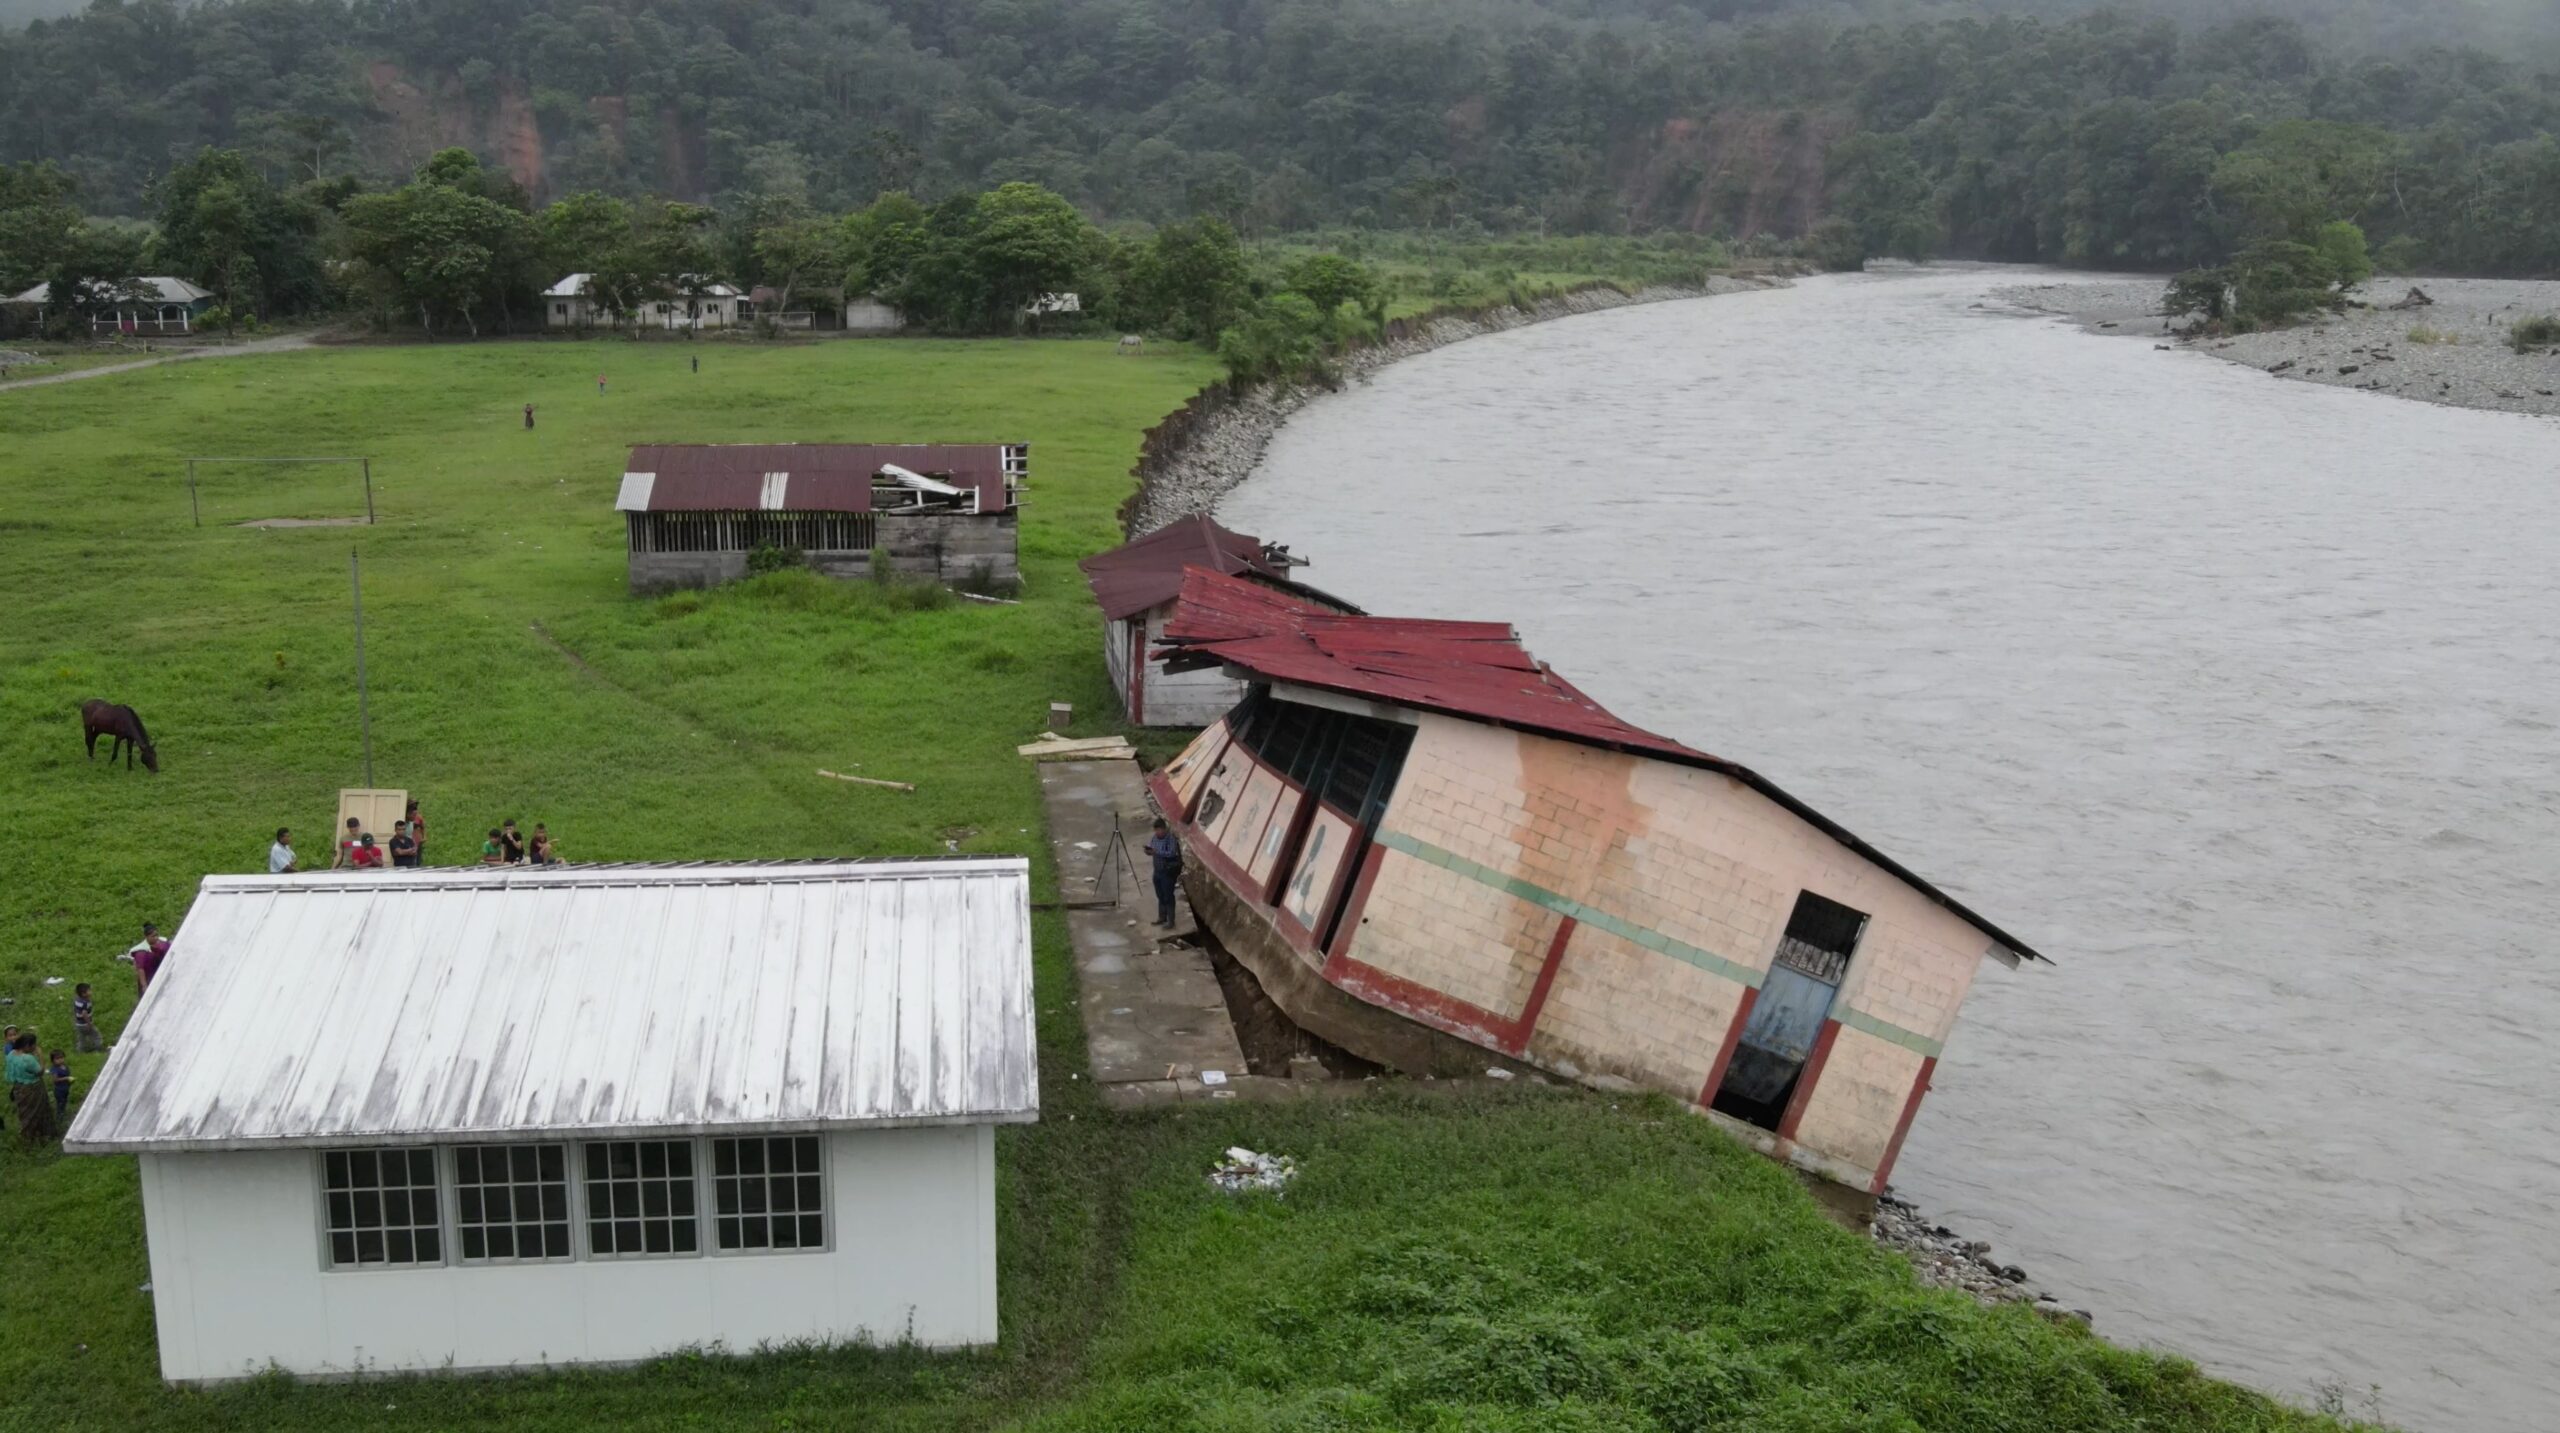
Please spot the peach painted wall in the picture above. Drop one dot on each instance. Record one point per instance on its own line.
(1695, 875)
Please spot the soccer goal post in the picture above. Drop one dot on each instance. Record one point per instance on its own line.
(195, 503)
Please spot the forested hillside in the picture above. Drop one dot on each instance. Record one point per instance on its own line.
(2096, 138)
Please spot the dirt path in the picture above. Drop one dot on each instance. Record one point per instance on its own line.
(286, 343)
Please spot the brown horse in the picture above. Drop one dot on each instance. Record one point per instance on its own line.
(99, 718)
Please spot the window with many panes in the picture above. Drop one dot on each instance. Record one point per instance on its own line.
(381, 1208)
(511, 1203)
(640, 1199)
(767, 1193)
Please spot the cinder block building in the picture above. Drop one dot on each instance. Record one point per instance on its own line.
(1429, 847)
(945, 512)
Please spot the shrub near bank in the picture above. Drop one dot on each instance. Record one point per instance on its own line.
(1506, 1259)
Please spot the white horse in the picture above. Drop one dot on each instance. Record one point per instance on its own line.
(1131, 343)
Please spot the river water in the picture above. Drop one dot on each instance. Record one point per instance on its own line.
(2239, 698)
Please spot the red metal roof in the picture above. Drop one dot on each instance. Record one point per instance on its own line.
(1476, 670)
(1470, 669)
(1145, 573)
(819, 477)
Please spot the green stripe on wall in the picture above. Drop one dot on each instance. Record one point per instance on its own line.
(1705, 960)
(1865, 1023)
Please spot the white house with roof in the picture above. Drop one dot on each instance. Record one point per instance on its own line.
(153, 306)
(699, 303)
(480, 1119)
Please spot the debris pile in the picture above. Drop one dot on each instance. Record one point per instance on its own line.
(1244, 1171)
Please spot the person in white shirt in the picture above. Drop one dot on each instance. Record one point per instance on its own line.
(280, 857)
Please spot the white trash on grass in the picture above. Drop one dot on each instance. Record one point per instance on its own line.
(1243, 1171)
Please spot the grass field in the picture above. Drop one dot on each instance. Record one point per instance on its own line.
(1507, 1259)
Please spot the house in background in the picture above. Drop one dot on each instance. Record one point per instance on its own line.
(482, 1119)
(1428, 847)
(155, 307)
(705, 304)
(1136, 585)
(868, 313)
(946, 512)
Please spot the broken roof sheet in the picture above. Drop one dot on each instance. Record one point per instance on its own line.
(797, 477)
(1476, 670)
(452, 1005)
(1147, 572)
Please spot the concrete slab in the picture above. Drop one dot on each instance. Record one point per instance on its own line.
(1153, 1012)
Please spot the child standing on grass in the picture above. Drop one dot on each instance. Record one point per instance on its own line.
(84, 1021)
(61, 1073)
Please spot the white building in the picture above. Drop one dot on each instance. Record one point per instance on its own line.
(868, 313)
(153, 306)
(479, 1118)
(705, 303)
(1136, 585)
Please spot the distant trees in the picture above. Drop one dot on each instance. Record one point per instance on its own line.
(257, 248)
(1190, 279)
(440, 248)
(40, 224)
(2094, 139)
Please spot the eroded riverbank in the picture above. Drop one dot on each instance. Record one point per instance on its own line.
(1200, 453)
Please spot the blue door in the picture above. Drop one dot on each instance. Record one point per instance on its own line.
(1779, 1036)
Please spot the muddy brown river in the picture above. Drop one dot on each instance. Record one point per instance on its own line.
(2238, 697)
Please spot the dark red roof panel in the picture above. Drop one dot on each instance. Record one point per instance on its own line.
(1471, 669)
(823, 477)
(1476, 670)
(1147, 572)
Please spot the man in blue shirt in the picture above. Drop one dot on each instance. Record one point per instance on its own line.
(1166, 854)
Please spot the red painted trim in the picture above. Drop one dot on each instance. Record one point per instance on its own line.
(1414, 1000)
(1292, 842)
(1805, 1080)
(1910, 1108)
(1724, 1052)
(1527, 1024)
(1345, 931)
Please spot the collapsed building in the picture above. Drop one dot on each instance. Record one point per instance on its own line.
(693, 513)
(1137, 585)
(1427, 846)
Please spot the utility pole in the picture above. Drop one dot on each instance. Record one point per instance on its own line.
(364, 704)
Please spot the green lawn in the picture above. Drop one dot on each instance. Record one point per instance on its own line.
(1509, 1259)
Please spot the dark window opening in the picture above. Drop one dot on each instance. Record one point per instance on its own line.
(1820, 937)
(747, 531)
(640, 1199)
(768, 1193)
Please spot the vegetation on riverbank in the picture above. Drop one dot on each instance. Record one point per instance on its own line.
(1504, 1259)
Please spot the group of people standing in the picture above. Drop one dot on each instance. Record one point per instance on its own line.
(357, 849)
(28, 1068)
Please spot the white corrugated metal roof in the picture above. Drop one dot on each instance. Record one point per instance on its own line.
(444, 1006)
(158, 287)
